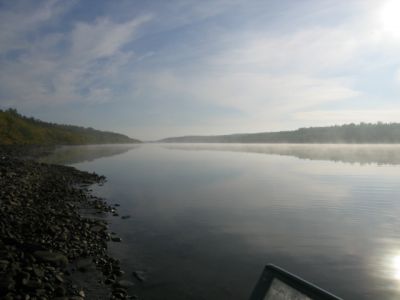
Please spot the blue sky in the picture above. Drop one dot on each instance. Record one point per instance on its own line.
(152, 69)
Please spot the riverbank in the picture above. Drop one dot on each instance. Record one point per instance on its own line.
(48, 249)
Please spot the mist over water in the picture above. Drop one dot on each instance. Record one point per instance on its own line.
(205, 219)
(352, 153)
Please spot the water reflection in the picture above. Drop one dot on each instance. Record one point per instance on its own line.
(204, 223)
(388, 264)
(349, 153)
(68, 155)
(395, 262)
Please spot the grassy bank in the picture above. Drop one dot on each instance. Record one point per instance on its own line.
(16, 129)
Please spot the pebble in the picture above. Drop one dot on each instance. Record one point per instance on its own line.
(56, 258)
(84, 264)
(125, 283)
(43, 234)
(139, 275)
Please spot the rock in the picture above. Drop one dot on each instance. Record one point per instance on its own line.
(59, 278)
(7, 283)
(119, 295)
(84, 264)
(98, 228)
(124, 283)
(9, 296)
(38, 271)
(109, 281)
(116, 239)
(34, 284)
(25, 277)
(139, 275)
(3, 264)
(125, 217)
(40, 293)
(42, 229)
(54, 258)
(59, 291)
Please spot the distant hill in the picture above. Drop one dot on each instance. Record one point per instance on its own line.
(18, 129)
(363, 133)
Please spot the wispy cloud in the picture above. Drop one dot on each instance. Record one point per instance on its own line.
(212, 66)
(320, 117)
(24, 18)
(103, 38)
(307, 51)
(57, 67)
(248, 92)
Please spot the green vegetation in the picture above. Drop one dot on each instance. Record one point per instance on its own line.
(364, 133)
(18, 129)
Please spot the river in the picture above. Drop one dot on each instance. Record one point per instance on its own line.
(206, 218)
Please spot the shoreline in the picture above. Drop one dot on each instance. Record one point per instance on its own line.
(48, 249)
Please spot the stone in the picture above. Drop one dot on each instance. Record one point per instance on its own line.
(139, 275)
(7, 283)
(3, 264)
(125, 283)
(84, 264)
(59, 291)
(38, 271)
(9, 296)
(59, 278)
(34, 284)
(43, 227)
(54, 258)
(98, 228)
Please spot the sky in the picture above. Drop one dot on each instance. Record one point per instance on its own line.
(154, 69)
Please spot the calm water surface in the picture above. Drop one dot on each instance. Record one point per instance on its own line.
(205, 219)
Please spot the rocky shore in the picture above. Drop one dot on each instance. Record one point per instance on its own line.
(48, 250)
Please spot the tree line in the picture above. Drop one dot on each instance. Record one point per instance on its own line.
(363, 133)
(18, 129)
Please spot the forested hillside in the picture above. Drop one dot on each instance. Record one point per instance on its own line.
(18, 129)
(351, 133)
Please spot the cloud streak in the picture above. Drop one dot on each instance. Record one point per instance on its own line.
(58, 67)
(200, 67)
